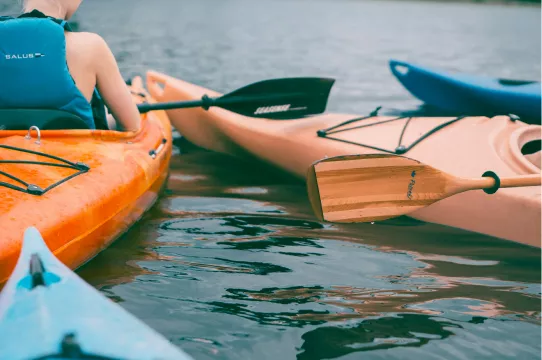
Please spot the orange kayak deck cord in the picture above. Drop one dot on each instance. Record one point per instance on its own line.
(81, 189)
(464, 147)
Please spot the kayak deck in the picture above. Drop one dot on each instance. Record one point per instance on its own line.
(48, 311)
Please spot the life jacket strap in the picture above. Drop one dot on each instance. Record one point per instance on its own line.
(39, 15)
(98, 111)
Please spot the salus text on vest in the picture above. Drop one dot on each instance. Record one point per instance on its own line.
(24, 56)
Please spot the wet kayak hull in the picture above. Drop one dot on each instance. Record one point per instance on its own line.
(466, 148)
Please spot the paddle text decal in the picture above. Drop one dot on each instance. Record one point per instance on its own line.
(411, 185)
(272, 109)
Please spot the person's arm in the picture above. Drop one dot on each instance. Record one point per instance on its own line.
(113, 89)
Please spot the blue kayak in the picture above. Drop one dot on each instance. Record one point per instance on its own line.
(48, 312)
(469, 94)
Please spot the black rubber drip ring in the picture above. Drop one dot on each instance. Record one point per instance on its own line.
(207, 102)
(492, 190)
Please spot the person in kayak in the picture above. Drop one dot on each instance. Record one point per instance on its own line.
(50, 67)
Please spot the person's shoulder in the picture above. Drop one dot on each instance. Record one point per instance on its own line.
(88, 47)
(88, 39)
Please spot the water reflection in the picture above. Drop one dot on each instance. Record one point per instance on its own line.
(386, 332)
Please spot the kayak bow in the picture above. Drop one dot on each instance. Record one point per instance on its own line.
(48, 312)
(471, 94)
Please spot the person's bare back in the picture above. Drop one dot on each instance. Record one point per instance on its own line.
(81, 52)
(92, 65)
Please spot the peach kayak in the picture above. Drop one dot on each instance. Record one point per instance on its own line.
(464, 147)
(81, 189)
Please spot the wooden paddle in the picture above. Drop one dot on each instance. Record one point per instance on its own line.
(365, 188)
(287, 98)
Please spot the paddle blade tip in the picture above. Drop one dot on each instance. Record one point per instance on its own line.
(280, 99)
(314, 193)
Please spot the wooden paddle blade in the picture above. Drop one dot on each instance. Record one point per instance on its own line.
(365, 188)
(287, 98)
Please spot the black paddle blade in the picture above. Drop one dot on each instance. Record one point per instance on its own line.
(288, 98)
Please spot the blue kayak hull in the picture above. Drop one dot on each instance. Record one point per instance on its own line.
(45, 311)
(471, 95)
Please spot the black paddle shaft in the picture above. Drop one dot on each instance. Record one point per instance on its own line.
(275, 99)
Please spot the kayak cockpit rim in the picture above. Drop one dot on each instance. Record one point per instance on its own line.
(105, 135)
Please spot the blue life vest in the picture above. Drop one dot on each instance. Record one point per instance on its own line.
(33, 69)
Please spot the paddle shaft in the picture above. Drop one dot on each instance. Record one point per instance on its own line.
(207, 102)
(143, 108)
(488, 182)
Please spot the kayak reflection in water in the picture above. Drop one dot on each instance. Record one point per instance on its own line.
(56, 68)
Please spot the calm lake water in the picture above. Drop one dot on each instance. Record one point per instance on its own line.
(231, 264)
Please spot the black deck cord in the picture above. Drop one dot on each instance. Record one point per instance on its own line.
(35, 163)
(399, 150)
(63, 181)
(34, 189)
(38, 153)
(14, 178)
(328, 130)
(367, 125)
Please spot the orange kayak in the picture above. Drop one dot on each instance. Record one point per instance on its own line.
(464, 147)
(81, 189)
